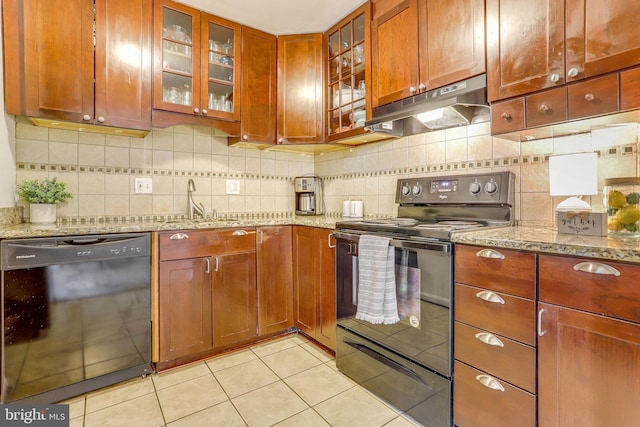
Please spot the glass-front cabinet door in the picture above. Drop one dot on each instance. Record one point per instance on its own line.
(347, 71)
(197, 58)
(221, 57)
(177, 43)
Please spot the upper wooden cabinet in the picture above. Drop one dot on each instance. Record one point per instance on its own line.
(196, 63)
(51, 71)
(258, 88)
(300, 89)
(348, 73)
(537, 44)
(421, 45)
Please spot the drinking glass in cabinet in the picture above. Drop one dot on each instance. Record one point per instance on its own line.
(358, 54)
(172, 95)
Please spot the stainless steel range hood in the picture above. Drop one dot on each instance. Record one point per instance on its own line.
(458, 104)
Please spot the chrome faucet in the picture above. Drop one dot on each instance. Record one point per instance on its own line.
(194, 208)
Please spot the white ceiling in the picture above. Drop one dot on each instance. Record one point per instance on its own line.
(280, 16)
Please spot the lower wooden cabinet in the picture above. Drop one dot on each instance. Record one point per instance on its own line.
(185, 307)
(489, 401)
(235, 318)
(588, 343)
(275, 279)
(314, 290)
(494, 338)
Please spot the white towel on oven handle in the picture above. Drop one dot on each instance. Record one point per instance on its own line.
(377, 301)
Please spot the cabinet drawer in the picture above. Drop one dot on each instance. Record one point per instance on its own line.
(511, 272)
(547, 107)
(568, 282)
(630, 89)
(513, 317)
(182, 244)
(593, 97)
(479, 405)
(507, 116)
(506, 359)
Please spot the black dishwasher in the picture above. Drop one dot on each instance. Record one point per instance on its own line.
(76, 314)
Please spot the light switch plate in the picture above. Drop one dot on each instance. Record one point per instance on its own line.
(143, 186)
(233, 186)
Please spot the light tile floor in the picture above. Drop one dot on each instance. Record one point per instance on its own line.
(287, 382)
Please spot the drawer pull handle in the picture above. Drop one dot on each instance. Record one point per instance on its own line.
(490, 297)
(240, 233)
(540, 331)
(208, 270)
(217, 268)
(596, 268)
(329, 241)
(489, 382)
(489, 339)
(489, 253)
(179, 236)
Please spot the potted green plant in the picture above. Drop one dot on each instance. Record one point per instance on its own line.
(43, 196)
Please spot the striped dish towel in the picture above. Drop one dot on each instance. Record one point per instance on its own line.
(377, 283)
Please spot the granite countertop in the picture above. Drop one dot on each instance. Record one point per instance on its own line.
(548, 240)
(20, 231)
(537, 239)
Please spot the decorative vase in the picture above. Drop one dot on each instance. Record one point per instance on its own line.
(42, 213)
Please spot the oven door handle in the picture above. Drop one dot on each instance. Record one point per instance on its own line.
(388, 362)
(428, 246)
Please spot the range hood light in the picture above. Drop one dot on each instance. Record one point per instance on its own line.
(429, 116)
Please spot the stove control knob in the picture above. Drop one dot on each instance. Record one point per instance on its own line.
(417, 189)
(490, 187)
(406, 189)
(475, 187)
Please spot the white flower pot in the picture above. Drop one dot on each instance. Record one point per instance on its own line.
(42, 213)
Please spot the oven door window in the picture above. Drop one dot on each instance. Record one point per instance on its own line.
(423, 292)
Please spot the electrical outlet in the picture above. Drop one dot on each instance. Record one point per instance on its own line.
(143, 186)
(233, 186)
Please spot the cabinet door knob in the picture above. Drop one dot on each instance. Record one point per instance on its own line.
(422, 87)
(554, 78)
(101, 119)
(280, 140)
(489, 253)
(490, 297)
(245, 137)
(204, 111)
(489, 339)
(589, 97)
(505, 115)
(572, 72)
(489, 382)
(543, 108)
(179, 236)
(596, 268)
(86, 117)
(413, 89)
(196, 110)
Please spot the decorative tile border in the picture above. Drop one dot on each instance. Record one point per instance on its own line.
(112, 170)
(147, 219)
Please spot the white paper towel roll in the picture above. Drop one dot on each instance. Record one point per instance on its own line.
(357, 209)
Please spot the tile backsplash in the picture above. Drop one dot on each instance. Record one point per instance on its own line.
(100, 169)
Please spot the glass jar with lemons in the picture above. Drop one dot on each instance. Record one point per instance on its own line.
(622, 201)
